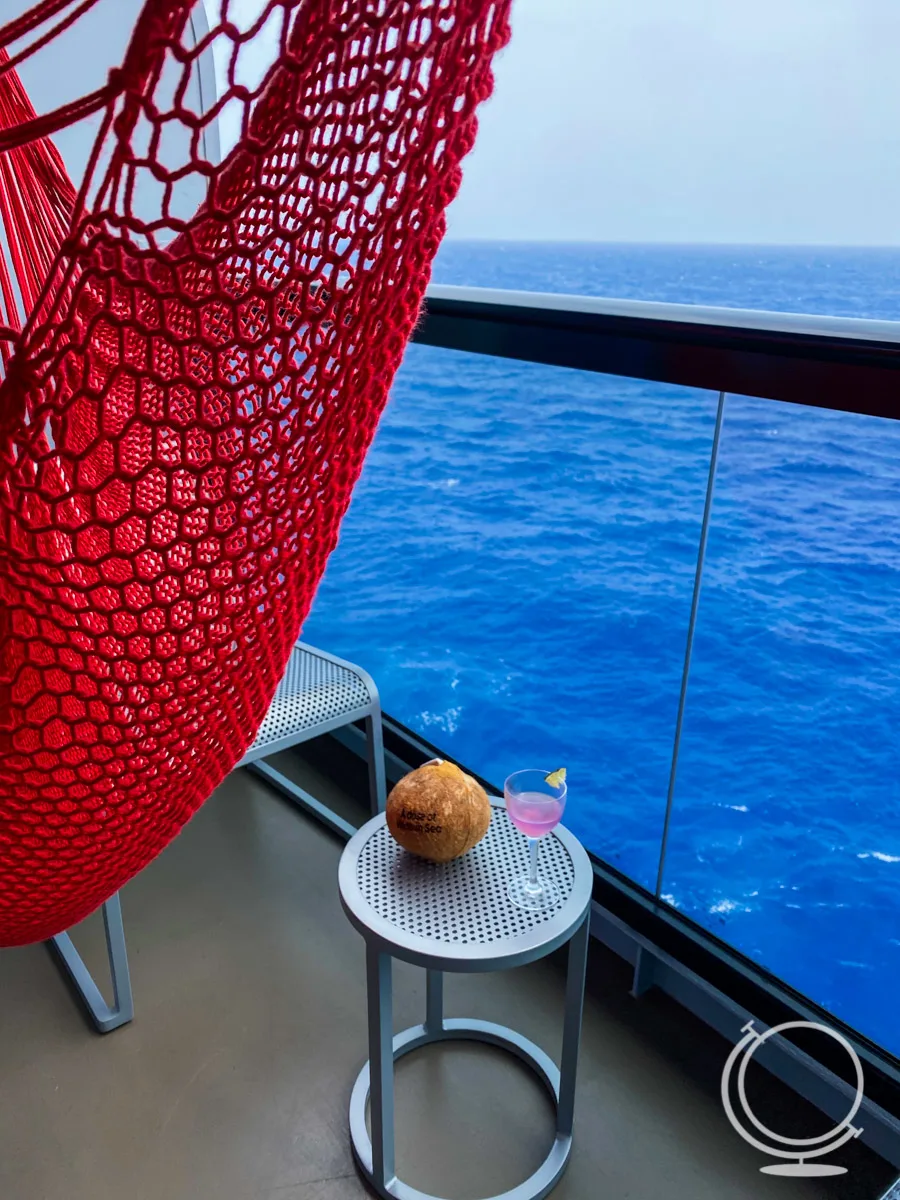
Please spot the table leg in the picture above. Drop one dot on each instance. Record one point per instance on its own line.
(381, 1064)
(434, 1001)
(578, 951)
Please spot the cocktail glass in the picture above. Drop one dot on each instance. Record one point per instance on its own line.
(535, 807)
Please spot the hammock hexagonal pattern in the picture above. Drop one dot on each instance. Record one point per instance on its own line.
(188, 404)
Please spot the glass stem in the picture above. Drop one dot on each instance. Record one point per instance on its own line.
(533, 884)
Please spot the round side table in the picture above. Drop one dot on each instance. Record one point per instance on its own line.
(456, 917)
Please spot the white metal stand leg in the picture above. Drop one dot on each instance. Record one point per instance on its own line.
(365, 1148)
(105, 1017)
(568, 1066)
(434, 1001)
(381, 1066)
(375, 1082)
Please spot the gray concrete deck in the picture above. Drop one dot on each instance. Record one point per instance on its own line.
(233, 1081)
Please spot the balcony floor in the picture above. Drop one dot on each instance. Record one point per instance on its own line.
(234, 1079)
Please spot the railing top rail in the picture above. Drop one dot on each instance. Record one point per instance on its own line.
(833, 362)
(446, 298)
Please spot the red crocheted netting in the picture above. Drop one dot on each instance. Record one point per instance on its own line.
(188, 399)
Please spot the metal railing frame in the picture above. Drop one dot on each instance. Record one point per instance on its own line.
(841, 363)
(844, 364)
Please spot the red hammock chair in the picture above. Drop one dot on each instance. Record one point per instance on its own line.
(186, 403)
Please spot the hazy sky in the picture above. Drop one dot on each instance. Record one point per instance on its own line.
(691, 120)
(646, 120)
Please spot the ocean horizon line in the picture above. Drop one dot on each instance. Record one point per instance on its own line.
(625, 243)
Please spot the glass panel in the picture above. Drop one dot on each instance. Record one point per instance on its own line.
(516, 571)
(785, 835)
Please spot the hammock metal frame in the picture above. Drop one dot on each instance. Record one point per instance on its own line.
(106, 1017)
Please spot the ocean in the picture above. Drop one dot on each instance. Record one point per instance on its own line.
(516, 570)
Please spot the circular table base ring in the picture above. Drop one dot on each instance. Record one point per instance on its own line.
(454, 1029)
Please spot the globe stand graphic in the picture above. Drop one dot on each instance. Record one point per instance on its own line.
(802, 1148)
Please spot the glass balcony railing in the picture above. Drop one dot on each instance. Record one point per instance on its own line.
(785, 828)
(506, 619)
(519, 570)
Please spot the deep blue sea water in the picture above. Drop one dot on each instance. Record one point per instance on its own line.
(516, 571)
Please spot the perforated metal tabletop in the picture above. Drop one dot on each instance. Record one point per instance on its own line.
(457, 916)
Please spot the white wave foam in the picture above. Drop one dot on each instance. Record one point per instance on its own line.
(447, 722)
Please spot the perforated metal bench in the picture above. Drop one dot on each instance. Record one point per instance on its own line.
(318, 694)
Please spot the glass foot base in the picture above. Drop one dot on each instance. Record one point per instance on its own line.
(521, 891)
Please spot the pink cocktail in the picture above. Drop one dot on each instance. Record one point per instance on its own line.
(534, 814)
(535, 806)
